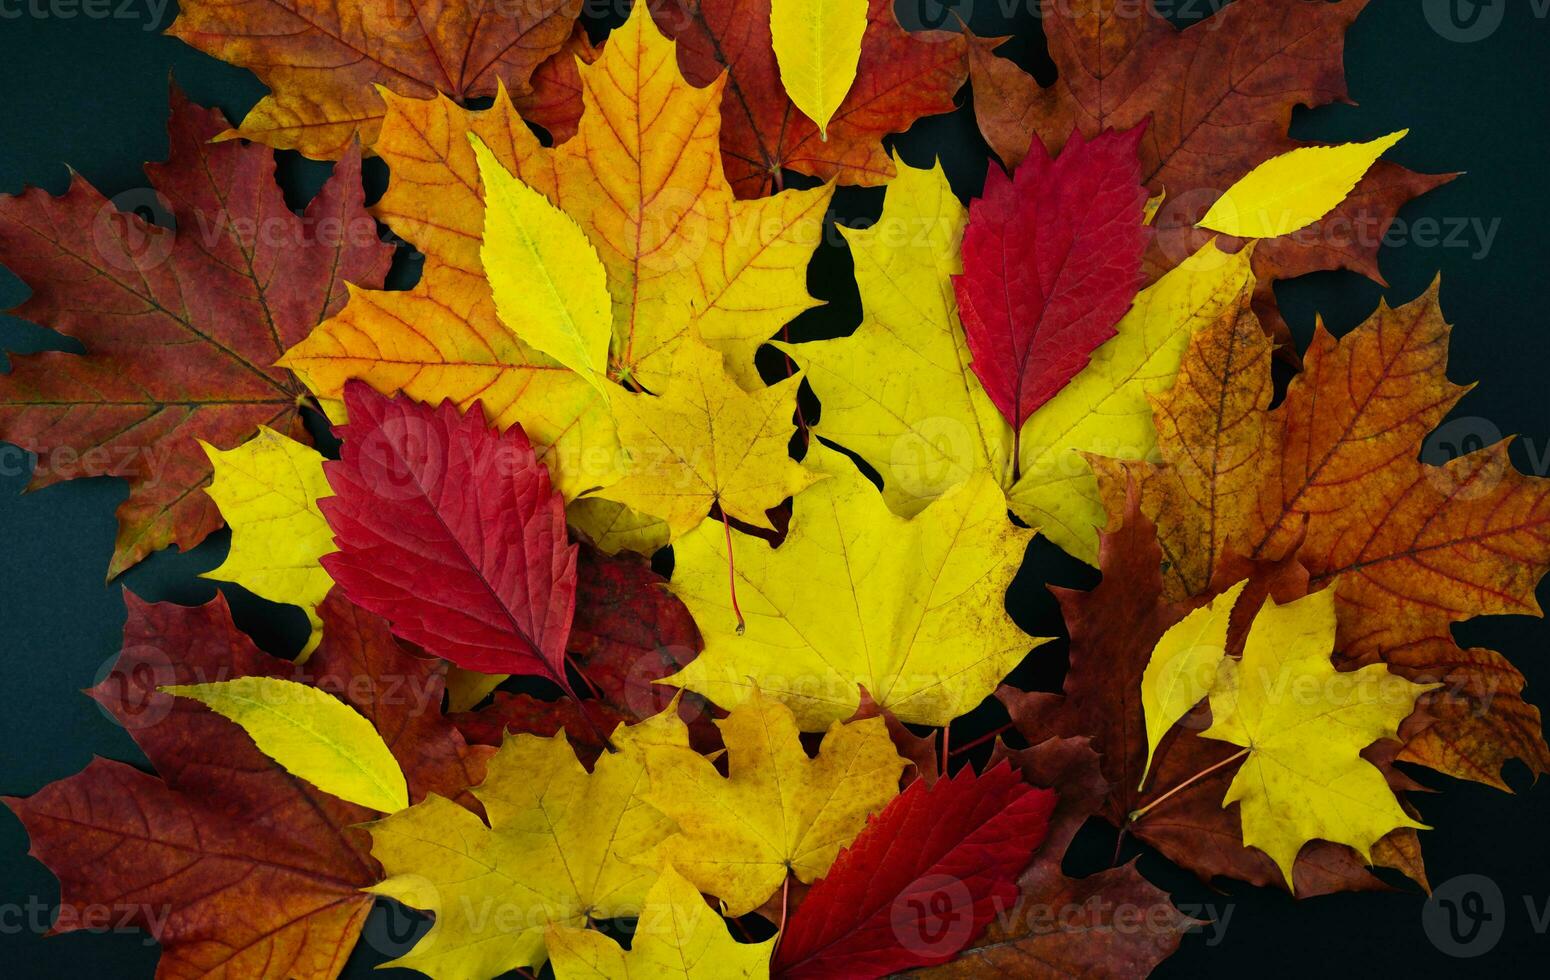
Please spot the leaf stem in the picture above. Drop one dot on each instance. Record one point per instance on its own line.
(1197, 777)
(976, 743)
(785, 905)
(732, 573)
(947, 732)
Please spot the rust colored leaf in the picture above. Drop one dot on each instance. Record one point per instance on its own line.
(901, 77)
(181, 328)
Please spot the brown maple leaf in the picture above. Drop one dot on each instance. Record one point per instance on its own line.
(181, 328)
(1220, 96)
(237, 867)
(901, 77)
(322, 59)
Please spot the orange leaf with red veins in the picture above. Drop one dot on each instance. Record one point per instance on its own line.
(901, 77)
(1220, 96)
(238, 867)
(181, 328)
(322, 59)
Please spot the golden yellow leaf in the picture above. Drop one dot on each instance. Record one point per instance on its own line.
(310, 733)
(677, 936)
(777, 812)
(268, 490)
(561, 847)
(704, 441)
(924, 423)
(1303, 726)
(817, 47)
(914, 609)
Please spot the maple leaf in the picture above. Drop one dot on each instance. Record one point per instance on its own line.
(259, 873)
(967, 837)
(420, 496)
(1052, 260)
(180, 327)
(901, 76)
(268, 490)
(323, 60)
(913, 609)
(1114, 630)
(704, 443)
(678, 935)
(1092, 932)
(777, 812)
(1220, 96)
(1412, 548)
(927, 424)
(568, 839)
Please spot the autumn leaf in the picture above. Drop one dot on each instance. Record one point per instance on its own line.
(268, 490)
(568, 839)
(926, 425)
(1052, 260)
(1220, 96)
(180, 327)
(967, 837)
(912, 609)
(1183, 667)
(777, 812)
(901, 76)
(677, 936)
(452, 532)
(323, 60)
(703, 442)
(1303, 726)
(259, 873)
(817, 44)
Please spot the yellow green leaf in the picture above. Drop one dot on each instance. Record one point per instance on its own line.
(925, 424)
(914, 609)
(268, 490)
(817, 46)
(1295, 189)
(561, 847)
(549, 285)
(1303, 726)
(777, 811)
(1183, 668)
(704, 441)
(678, 937)
(310, 733)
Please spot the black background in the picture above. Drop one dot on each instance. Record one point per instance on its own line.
(90, 92)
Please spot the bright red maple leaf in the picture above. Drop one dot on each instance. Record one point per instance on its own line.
(902, 76)
(181, 328)
(453, 532)
(921, 880)
(236, 866)
(1052, 261)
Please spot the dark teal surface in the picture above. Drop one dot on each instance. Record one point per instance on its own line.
(91, 92)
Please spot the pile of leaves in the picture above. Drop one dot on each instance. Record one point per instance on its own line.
(507, 719)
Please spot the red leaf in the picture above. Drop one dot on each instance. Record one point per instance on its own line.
(452, 532)
(921, 881)
(1052, 261)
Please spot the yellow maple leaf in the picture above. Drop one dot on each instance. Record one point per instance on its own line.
(923, 421)
(677, 936)
(268, 490)
(1303, 726)
(704, 441)
(914, 609)
(777, 812)
(561, 848)
(817, 46)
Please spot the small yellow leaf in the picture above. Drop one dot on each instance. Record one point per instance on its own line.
(1295, 189)
(1183, 668)
(549, 285)
(1303, 726)
(817, 46)
(777, 812)
(268, 490)
(310, 733)
(678, 937)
